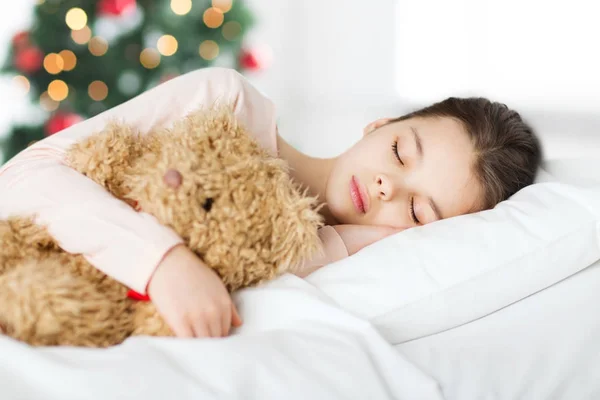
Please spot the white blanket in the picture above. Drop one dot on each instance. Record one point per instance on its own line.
(294, 344)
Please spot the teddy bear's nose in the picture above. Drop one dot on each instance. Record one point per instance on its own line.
(208, 204)
(173, 178)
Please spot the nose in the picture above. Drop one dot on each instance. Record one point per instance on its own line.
(385, 187)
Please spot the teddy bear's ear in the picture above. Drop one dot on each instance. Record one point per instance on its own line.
(173, 178)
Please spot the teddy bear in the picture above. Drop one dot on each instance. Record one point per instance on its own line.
(233, 204)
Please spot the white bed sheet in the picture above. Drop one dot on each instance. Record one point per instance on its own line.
(295, 344)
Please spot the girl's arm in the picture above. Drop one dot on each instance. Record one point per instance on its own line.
(83, 216)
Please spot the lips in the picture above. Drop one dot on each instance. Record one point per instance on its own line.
(358, 196)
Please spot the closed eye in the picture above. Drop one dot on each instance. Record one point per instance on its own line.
(412, 212)
(395, 151)
(413, 216)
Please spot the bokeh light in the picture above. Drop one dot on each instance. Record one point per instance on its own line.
(129, 82)
(47, 103)
(98, 46)
(53, 63)
(150, 58)
(167, 45)
(69, 59)
(82, 36)
(209, 49)
(58, 90)
(76, 18)
(213, 17)
(22, 83)
(181, 7)
(231, 30)
(223, 5)
(98, 90)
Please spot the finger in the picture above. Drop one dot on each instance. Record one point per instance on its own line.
(226, 322)
(236, 320)
(200, 329)
(182, 330)
(214, 328)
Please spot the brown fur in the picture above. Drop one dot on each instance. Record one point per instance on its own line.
(260, 224)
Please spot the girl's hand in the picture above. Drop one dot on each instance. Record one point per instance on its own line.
(356, 237)
(191, 297)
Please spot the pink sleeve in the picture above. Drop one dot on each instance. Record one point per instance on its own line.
(334, 249)
(82, 215)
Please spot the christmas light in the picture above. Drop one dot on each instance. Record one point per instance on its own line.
(23, 83)
(181, 7)
(213, 17)
(231, 30)
(98, 90)
(209, 50)
(82, 36)
(69, 59)
(58, 90)
(167, 45)
(47, 103)
(129, 83)
(29, 60)
(98, 46)
(76, 18)
(53, 63)
(150, 58)
(223, 5)
(60, 121)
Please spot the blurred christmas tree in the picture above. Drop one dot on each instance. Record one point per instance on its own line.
(82, 57)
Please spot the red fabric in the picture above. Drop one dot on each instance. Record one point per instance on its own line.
(132, 294)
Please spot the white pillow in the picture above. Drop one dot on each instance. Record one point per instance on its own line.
(543, 347)
(432, 278)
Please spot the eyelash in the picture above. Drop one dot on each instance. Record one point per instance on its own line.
(412, 211)
(412, 200)
(395, 151)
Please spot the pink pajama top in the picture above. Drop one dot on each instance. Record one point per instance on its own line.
(86, 219)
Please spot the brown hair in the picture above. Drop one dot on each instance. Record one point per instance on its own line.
(507, 152)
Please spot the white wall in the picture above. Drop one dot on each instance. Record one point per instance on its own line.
(333, 68)
(530, 53)
(340, 63)
(14, 16)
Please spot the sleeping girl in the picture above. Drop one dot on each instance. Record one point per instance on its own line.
(458, 156)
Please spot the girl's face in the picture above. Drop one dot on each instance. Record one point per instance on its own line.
(404, 174)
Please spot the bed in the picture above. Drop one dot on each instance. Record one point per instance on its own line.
(505, 308)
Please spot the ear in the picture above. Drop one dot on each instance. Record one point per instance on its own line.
(375, 124)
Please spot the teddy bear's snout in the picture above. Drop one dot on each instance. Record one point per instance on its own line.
(173, 178)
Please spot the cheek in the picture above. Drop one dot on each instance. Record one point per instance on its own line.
(392, 214)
